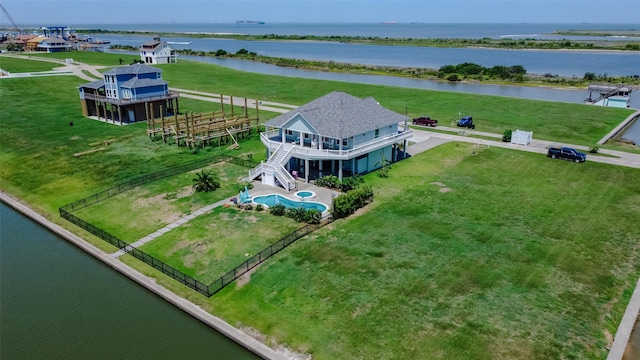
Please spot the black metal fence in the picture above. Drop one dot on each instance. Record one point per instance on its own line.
(104, 195)
(207, 290)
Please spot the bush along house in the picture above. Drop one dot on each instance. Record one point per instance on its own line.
(337, 134)
(128, 94)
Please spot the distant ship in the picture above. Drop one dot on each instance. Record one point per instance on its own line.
(249, 22)
(393, 22)
(179, 42)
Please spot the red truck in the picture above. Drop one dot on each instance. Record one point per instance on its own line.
(426, 121)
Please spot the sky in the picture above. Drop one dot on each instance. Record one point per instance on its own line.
(67, 12)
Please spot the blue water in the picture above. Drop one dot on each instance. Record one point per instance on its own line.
(401, 30)
(304, 194)
(542, 62)
(273, 199)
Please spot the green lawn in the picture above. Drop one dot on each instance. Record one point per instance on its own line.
(214, 243)
(570, 123)
(466, 252)
(461, 257)
(141, 211)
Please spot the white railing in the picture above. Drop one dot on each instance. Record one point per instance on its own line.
(283, 176)
(255, 172)
(282, 155)
(318, 154)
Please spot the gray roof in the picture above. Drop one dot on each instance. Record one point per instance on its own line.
(134, 69)
(340, 115)
(93, 85)
(140, 83)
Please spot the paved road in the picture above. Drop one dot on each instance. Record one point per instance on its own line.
(426, 138)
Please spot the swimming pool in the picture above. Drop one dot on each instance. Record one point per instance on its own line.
(305, 194)
(273, 199)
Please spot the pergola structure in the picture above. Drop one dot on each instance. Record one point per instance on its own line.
(192, 129)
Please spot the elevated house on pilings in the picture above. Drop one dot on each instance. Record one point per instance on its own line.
(337, 134)
(158, 52)
(128, 94)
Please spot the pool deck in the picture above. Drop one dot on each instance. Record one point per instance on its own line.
(323, 195)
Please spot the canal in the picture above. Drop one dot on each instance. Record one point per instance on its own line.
(58, 302)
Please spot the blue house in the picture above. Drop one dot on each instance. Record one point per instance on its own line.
(129, 94)
(336, 134)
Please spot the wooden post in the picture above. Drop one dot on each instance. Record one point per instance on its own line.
(177, 131)
(120, 113)
(231, 101)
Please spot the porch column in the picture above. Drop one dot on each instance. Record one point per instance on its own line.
(306, 170)
(120, 113)
(320, 168)
(405, 148)
(340, 168)
(353, 166)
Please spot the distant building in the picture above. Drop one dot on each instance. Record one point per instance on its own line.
(128, 94)
(48, 44)
(158, 52)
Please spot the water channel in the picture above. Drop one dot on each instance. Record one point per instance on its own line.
(58, 302)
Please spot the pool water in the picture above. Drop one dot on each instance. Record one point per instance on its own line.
(274, 199)
(305, 194)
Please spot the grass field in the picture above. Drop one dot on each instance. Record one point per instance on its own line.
(141, 211)
(570, 123)
(214, 243)
(466, 252)
(461, 257)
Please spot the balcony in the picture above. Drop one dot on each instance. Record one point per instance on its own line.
(272, 140)
(102, 98)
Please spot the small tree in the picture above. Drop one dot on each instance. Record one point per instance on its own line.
(385, 165)
(205, 182)
(506, 135)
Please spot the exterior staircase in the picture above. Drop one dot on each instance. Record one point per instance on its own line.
(275, 164)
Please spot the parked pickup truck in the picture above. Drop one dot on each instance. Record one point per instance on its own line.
(426, 121)
(467, 122)
(567, 154)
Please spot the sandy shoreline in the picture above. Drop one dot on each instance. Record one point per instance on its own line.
(214, 322)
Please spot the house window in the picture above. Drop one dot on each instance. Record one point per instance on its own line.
(344, 142)
(306, 136)
(377, 133)
(288, 132)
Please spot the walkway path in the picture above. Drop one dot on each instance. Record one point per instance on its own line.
(614, 157)
(171, 226)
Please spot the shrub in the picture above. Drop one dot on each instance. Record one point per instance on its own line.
(277, 210)
(313, 217)
(297, 214)
(594, 150)
(351, 183)
(506, 135)
(259, 207)
(248, 185)
(347, 203)
(328, 181)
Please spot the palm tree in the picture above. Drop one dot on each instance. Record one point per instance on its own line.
(205, 182)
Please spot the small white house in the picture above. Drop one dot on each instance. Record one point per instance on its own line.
(158, 52)
(521, 137)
